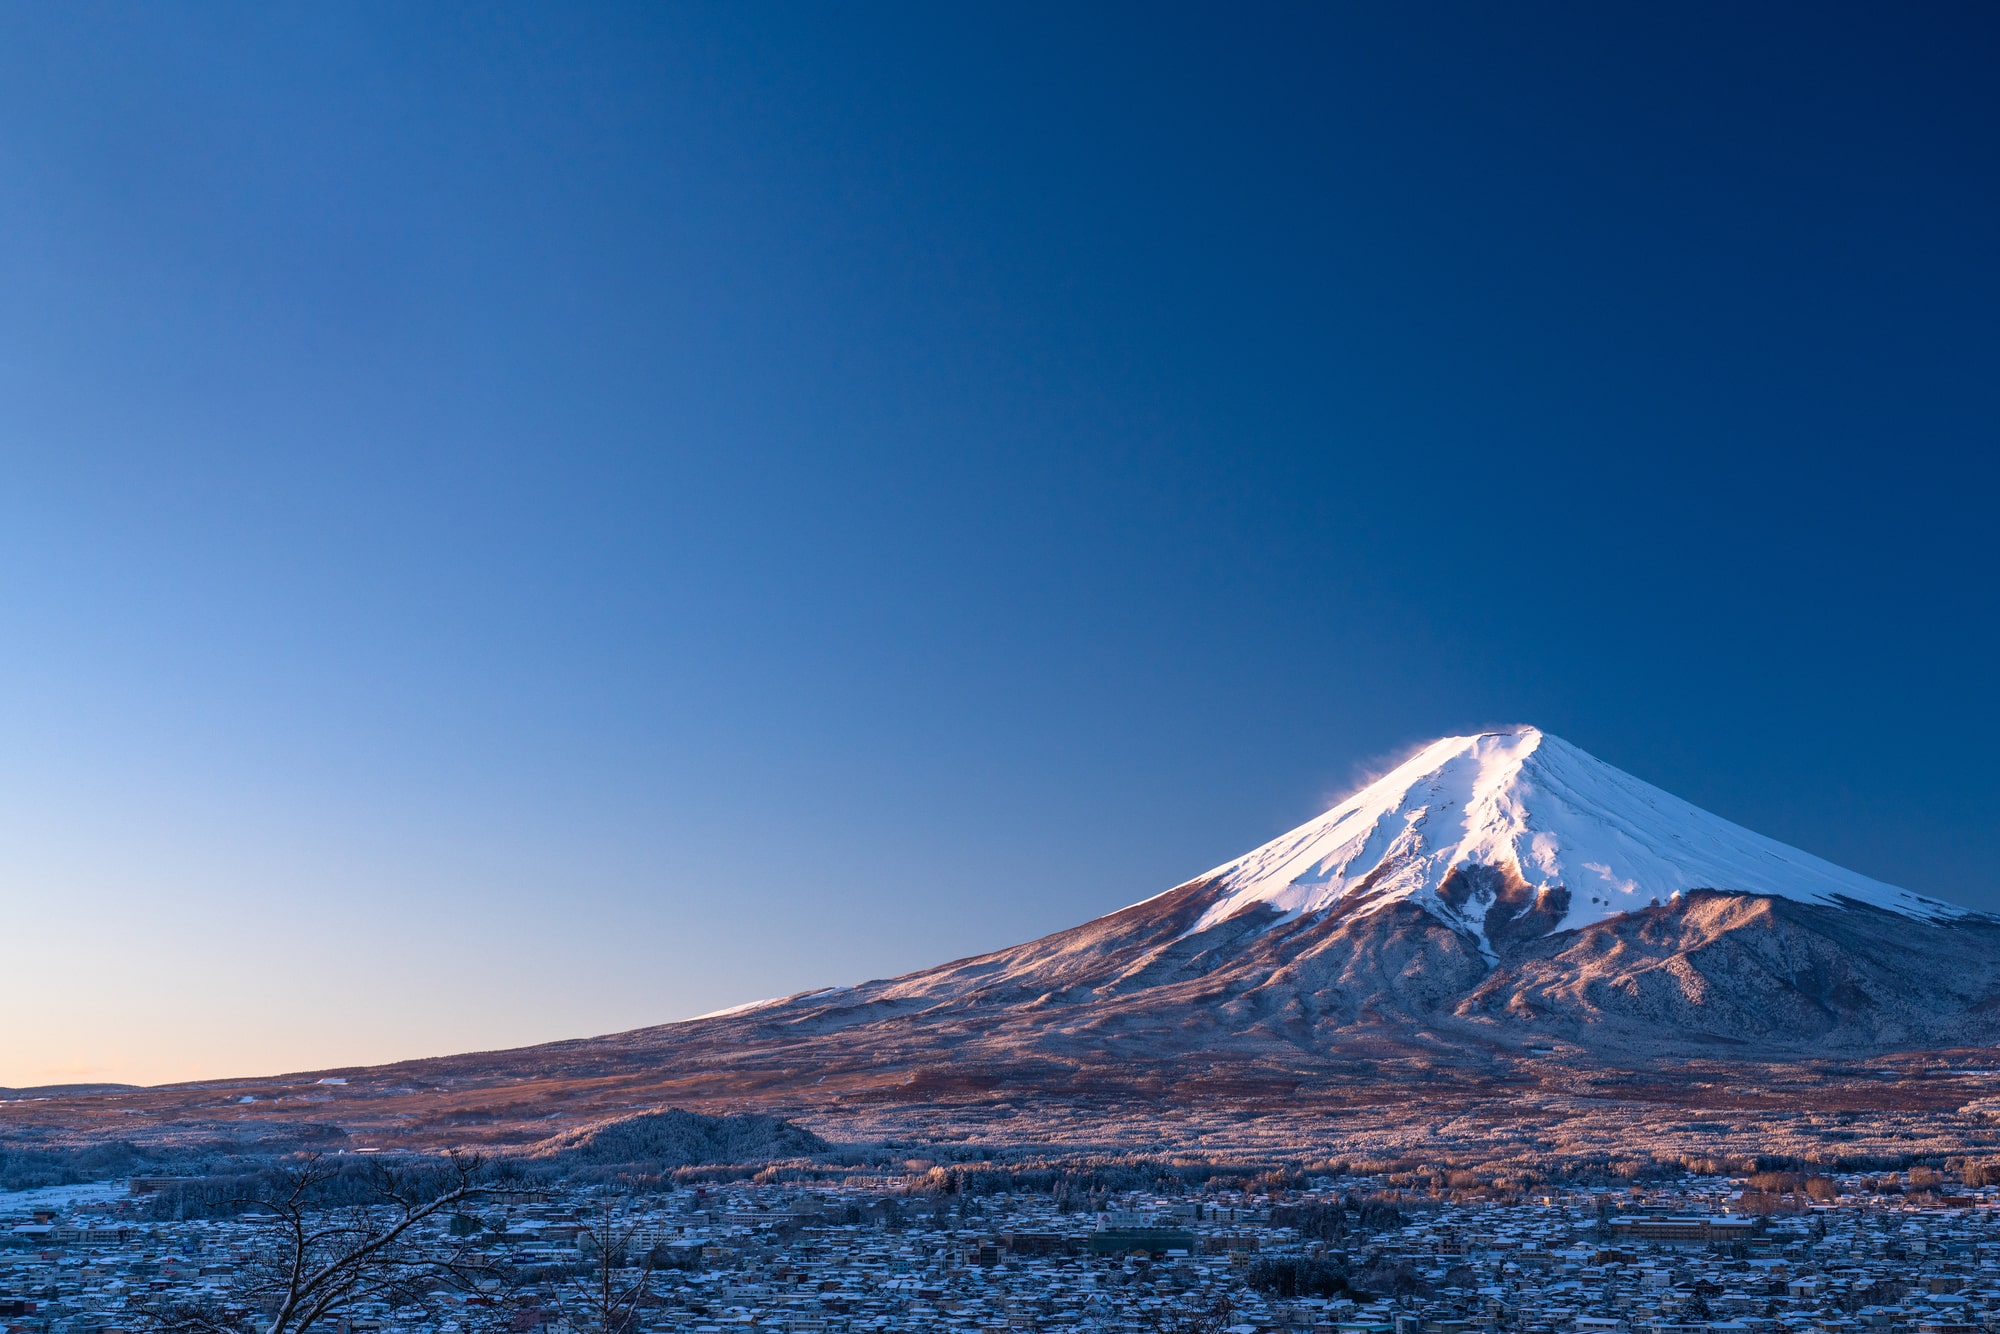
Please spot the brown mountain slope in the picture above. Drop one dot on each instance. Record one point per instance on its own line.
(1348, 1029)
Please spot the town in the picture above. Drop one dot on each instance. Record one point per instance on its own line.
(1909, 1251)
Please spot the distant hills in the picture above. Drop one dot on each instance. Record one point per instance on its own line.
(677, 1138)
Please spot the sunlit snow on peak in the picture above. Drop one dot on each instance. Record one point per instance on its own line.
(1525, 802)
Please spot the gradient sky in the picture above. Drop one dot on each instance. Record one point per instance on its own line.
(525, 522)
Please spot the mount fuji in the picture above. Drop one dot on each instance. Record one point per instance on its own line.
(1505, 888)
(1504, 946)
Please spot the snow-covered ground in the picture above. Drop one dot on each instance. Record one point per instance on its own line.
(1560, 817)
(61, 1197)
(748, 1006)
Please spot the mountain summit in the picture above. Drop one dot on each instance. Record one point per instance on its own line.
(1518, 828)
(1499, 889)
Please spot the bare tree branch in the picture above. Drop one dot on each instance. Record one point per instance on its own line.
(611, 1305)
(330, 1254)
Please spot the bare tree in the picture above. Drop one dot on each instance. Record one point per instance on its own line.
(1194, 1315)
(609, 1298)
(332, 1247)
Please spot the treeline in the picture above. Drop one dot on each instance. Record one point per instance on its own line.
(238, 1189)
(31, 1169)
(1292, 1276)
(660, 1152)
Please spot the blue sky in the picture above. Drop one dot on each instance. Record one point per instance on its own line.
(526, 521)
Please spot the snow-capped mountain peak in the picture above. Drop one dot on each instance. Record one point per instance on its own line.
(1529, 820)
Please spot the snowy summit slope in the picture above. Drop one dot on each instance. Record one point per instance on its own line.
(1527, 814)
(1498, 892)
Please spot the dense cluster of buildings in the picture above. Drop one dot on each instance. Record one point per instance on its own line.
(864, 1257)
